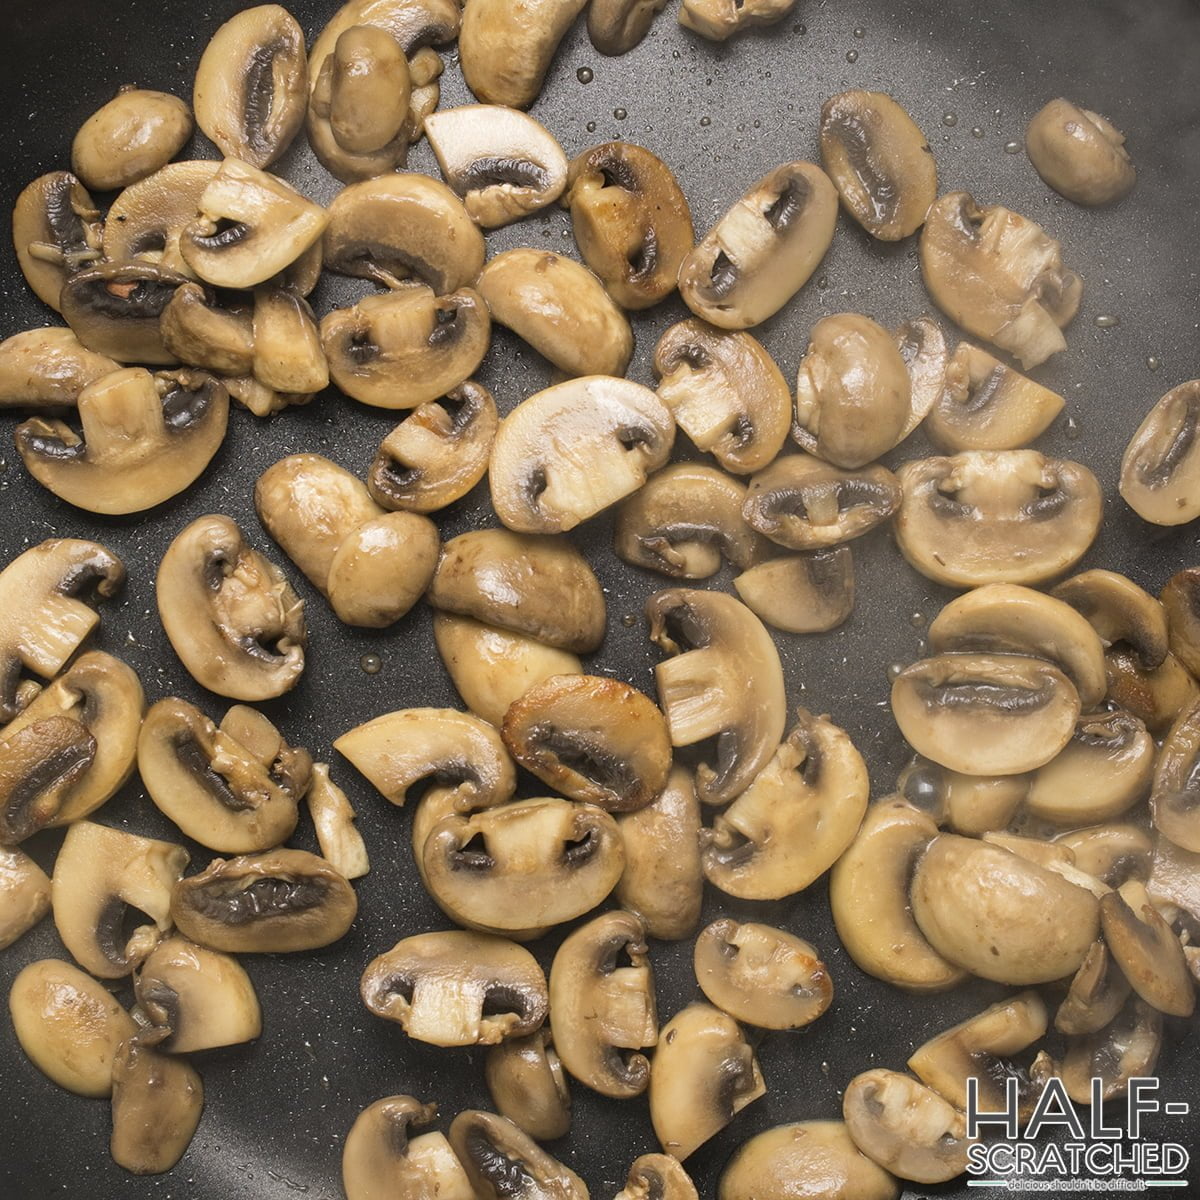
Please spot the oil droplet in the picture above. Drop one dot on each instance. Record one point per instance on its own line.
(800, 29)
(860, 33)
(1012, 147)
(1107, 321)
(629, 620)
(950, 119)
(620, 114)
(852, 56)
(585, 75)
(676, 54)
(371, 663)
(706, 121)
(590, 127)
(917, 620)
(757, 124)
(822, 283)
(894, 669)
(977, 132)
(1151, 362)
(1072, 429)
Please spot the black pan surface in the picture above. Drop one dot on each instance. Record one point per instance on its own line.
(971, 75)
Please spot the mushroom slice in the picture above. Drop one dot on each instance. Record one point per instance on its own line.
(853, 392)
(1127, 1048)
(135, 134)
(526, 1082)
(705, 1072)
(1175, 801)
(630, 218)
(1180, 600)
(503, 163)
(156, 1105)
(602, 1006)
(271, 903)
(982, 1047)
(287, 345)
(369, 89)
(145, 438)
(879, 161)
(718, 20)
(381, 1159)
(568, 452)
(540, 586)
(372, 565)
(1111, 853)
(69, 1025)
(24, 895)
(723, 681)
(333, 819)
(407, 347)
(986, 405)
(47, 368)
(413, 25)
(592, 739)
(502, 1161)
(251, 226)
(56, 233)
(1120, 612)
(999, 275)
(560, 308)
(252, 85)
(657, 1177)
(662, 883)
(763, 250)
(401, 229)
(801, 593)
(99, 871)
(457, 988)
(506, 53)
(229, 614)
(1160, 469)
(493, 667)
(684, 520)
(1156, 697)
(1146, 949)
(200, 333)
(999, 915)
(1096, 995)
(1002, 516)
(615, 27)
(1079, 153)
(761, 975)
(39, 763)
(524, 865)
(1175, 878)
(922, 345)
(868, 893)
(796, 818)
(968, 804)
(44, 611)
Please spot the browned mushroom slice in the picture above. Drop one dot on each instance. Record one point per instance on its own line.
(657, 1177)
(801, 593)
(725, 392)
(528, 1086)
(202, 334)
(288, 356)
(370, 90)
(1079, 153)
(1175, 801)
(804, 503)
(56, 233)
(156, 1104)
(879, 161)
(1180, 600)
(1126, 1048)
(1146, 949)
(431, 22)
(40, 762)
(1097, 993)
(718, 20)
(47, 368)
(763, 250)
(24, 895)
(135, 134)
(1112, 854)
(1160, 471)
(617, 26)
(1156, 697)
(629, 216)
(1004, 516)
(499, 1157)
(922, 345)
(1120, 612)
(722, 681)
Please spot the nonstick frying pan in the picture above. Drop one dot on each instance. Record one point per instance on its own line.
(721, 116)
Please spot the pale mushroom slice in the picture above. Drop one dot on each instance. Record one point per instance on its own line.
(1097, 992)
(48, 368)
(967, 804)
(725, 392)
(39, 763)
(986, 405)
(879, 161)
(230, 615)
(722, 681)
(495, 1152)
(1180, 599)
(868, 895)
(763, 250)
(457, 988)
(1175, 800)
(999, 275)
(202, 333)
(922, 345)
(341, 843)
(69, 1025)
(760, 975)
(24, 895)
(1079, 153)
(1003, 516)
(801, 593)
(99, 874)
(526, 1081)
(568, 452)
(46, 610)
(288, 356)
(795, 819)
(1160, 470)
(704, 1073)
(370, 90)
(135, 134)
(657, 1177)
(560, 308)
(719, 20)
(1123, 614)
(1099, 1066)
(157, 1100)
(1147, 950)
(1111, 853)
(1174, 878)
(56, 233)
(144, 439)
(602, 1005)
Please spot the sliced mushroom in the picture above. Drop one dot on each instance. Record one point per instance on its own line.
(501, 1161)
(229, 614)
(801, 593)
(1180, 600)
(705, 1072)
(1111, 853)
(1175, 801)
(1120, 612)
(560, 308)
(273, 903)
(69, 1025)
(1003, 516)
(526, 1082)
(615, 27)
(879, 161)
(657, 1177)
(24, 895)
(457, 988)
(1160, 471)
(39, 764)
(144, 439)
(853, 393)
(132, 136)
(1096, 995)
(761, 975)
(868, 893)
(349, 166)
(1126, 1048)
(47, 368)
(719, 20)
(100, 872)
(56, 233)
(630, 218)
(438, 453)
(725, 392)
(1175, 878)
(288, 357)
(369, 89)
(1079, 153)
(723, 680)
(506, 53)
(922, 345)
(763, 250)
(540, 586)
(156, 1105)
(1156, 697)
(999, 275)
(568, 452)
(794, 820)
(197, 331)
(968, 804)
(1146, 949)
(430, 22)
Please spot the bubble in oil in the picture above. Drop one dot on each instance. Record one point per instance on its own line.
(1071, 429)
(977, 132)
(852, 56)
(1108, 321)
(620, 114)
(590, 127)
(917, 620)
(860, 33)
(372, 664)
(706, 121)
(950, 119)
(1153, 363)
(894, 669)
(629, 620)
(1012, 147)
(585, 75)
